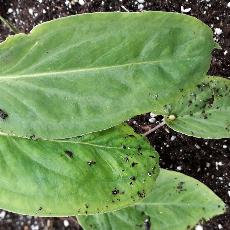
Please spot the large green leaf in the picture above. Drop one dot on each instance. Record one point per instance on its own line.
(90, 72)
(95, 173)
(177, 202)
(205, 112)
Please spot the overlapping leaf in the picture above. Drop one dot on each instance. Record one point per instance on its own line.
(177, 202)
(205, 112)
(90, 72)
(95, 173)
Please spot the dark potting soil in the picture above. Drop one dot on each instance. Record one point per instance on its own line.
(206, 160)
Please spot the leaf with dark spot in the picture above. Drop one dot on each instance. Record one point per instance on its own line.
(163, 207)
(209, 115)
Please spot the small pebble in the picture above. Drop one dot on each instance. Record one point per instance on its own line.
(185, 10)
(81, 2)
(198, 227)
(10, 10)
(140, 6)
(218, 31)
(141, 1)
(228, 5)
(31, 11)
(220, 226)
(225, 146)
(34, 227)
(66, 223)
(2, 214)
(179, 168)
(152, 120)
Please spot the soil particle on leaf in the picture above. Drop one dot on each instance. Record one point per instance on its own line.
(133, 164)
(3, 114)
(69, 153)
(133, 178)
(115, 191)
(147, 223)
(180, 187)
(91, 163)
(141, 194)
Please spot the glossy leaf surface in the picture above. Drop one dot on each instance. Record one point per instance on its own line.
(95, 173)
(204, 112)
(177, 202)
(86, 73)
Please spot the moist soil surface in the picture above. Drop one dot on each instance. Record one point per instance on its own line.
(205, 160)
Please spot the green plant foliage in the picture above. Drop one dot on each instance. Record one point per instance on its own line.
(95, 173)
(70, 76)
(177, 202)
(205, 112)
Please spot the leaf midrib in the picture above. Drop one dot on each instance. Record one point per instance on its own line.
(60, 73)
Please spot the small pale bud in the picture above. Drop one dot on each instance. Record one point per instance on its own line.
(172, 117)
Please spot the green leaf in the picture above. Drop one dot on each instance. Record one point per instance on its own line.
(177, 202)
(89, 72)
(205, 112)
(95, 173)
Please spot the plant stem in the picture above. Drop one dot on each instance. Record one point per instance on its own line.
(155, 128)
(9, 25)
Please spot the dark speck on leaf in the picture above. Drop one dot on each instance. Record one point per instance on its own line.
(152, 156)
(115, 191)
(126, 159)
(134, 164)
(147, 223)
(3, 114)
(210, 101)
(33, 137)
(123, 146)
(69, 153)
(40, 209)
(141, 194)
(91, 163)
(139, 149)
(132, 178)
(180, 187)
(189, 102)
